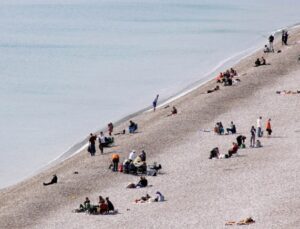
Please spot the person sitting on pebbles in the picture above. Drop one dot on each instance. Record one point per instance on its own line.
(174, 111)
(141, 184)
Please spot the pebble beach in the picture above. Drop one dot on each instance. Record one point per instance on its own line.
(261, 183)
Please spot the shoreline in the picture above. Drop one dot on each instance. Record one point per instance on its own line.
(208, 77)
(261, 183)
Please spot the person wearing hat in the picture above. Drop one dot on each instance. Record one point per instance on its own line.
(132, 155)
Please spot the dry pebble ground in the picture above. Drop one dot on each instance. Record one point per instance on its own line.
(262, 183)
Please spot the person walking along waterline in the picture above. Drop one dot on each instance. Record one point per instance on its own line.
(271, 40)
(155, 102)
(92, 148)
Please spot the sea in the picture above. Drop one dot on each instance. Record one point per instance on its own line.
(68, 67)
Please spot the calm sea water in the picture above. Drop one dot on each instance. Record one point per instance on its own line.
(69, 67)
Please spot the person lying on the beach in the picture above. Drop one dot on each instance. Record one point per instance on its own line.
(132, 127)
(53, 181)
(141, 184)
(214, 89)
(174, 111)
(284, 92)
(241, 222)
(232, 128)
(143, 199)
(122, 132)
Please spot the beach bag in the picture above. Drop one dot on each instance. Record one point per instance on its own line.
(243, 146)
(89, 149)
(120, 168)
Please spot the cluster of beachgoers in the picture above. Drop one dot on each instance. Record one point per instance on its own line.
(116, 174)
(136, 164)
(240, 139)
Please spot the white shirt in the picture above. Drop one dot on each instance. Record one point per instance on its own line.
(132, 156)
(101, 139)
(259, 123)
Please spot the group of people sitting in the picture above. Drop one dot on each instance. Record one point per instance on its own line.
(260, 62)
(219, 129)
(227, 77)
(105, 206)
(215, 153)
(134, 164)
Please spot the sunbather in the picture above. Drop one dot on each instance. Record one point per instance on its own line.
(214, 89)
(143, 199)
(284, 92)
(53, 181)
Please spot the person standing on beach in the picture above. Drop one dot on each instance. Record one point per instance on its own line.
(271, 40)
(282, 37)
(92, 148)
(268, 127)
(286, 36)
(102, 141)
(259, 126)
(155, 102)
(252, 138)
(110, 128)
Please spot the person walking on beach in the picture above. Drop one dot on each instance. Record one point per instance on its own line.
(155, 102)
(259, 126)
(271, 40)
(268, 127)
(252, 138)
(92, 148)
(284, 37)
(102, 142)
